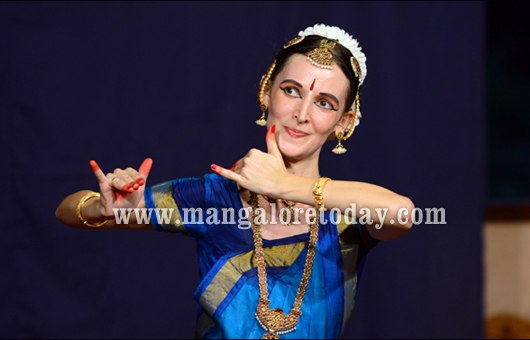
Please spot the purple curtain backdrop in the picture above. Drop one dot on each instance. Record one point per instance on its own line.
(118, 82)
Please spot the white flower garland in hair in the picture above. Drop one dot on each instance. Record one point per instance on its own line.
(346, 40)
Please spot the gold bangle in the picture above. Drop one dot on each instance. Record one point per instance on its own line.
(80, 205)
(317, 191)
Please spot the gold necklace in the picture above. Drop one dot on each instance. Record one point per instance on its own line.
(290, 205)
(275, 322)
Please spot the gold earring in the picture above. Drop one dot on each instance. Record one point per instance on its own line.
(262, 121)
(265, 82)
(339, 149)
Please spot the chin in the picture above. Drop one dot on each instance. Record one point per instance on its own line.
(292, 151)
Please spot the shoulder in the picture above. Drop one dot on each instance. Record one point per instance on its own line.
(220, 191)
(206, 182)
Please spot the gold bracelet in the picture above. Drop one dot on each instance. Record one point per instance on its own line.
(80, 205)
(317, 191)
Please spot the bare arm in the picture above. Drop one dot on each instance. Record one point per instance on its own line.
(390, 212)
(66, 213)
(265, 173)
(119, 189)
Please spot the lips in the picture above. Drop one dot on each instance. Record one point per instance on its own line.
(295, 133)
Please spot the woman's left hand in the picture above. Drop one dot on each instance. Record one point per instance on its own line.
(258, 171)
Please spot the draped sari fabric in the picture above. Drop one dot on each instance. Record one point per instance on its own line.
(228, 290)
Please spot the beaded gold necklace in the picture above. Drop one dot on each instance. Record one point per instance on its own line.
(274, 321)
(286, 217)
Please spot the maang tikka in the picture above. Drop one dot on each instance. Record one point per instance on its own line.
(322, 56)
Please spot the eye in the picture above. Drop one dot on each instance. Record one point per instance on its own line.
(291, 91)
(325, 104)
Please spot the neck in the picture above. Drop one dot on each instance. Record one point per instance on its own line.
(307, 167)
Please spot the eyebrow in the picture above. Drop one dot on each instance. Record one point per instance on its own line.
(292, 81)
(331, 96)
(321, 93)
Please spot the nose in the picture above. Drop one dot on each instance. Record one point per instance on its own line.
(302, 114)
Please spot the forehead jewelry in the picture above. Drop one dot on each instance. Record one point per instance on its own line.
(355, 67)
(322, 56)
(294, 41)
(358, 61)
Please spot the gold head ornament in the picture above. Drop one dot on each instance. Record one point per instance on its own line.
(322, 56)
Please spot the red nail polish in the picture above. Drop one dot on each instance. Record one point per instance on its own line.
(140, 181)
(145, 168)
(135, 186)
(273, 128)
(94, 165)
(215, 168)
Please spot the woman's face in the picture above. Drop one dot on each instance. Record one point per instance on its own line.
(306, 104)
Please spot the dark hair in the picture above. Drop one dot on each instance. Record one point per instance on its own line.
(341, 56)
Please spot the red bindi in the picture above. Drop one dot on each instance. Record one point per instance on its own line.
(312, 85)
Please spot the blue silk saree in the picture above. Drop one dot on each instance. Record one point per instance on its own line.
(228, 290)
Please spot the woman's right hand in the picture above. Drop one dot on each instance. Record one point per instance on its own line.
(121, 188)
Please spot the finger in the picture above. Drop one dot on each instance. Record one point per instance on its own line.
(227, 173)
(97, 171)
(236, 167)
(124, 176)
(145, 168)
(135, 177)
(118, 195)
(272, 146)
(118, 183)
(123, 181)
